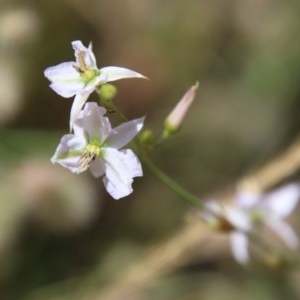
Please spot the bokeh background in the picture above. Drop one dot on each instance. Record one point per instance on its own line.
(61, 235)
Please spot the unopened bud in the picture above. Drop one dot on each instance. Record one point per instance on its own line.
(175, 119)
(108, 91)
(147, 138)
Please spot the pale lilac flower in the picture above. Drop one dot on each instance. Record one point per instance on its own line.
(96, 145)
(249, 211)
(82, 77)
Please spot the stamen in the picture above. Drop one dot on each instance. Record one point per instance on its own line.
(88, 156)
(78, 69)
(81, 61)
(83, 69)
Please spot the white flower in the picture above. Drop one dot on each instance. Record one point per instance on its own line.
(82, 77)
(96, 145)
(251, 210)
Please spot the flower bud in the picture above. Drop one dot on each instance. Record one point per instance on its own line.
(108, 91)
(175, 119)
(147, 138)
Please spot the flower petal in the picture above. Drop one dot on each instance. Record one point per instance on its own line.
(283, 201)
(92, 119)
(124, 133)
(65, 80)
(285, 231)
(239, 247)
(97, 167)
(79, 131)
(247, 200)
(116, 73)
(88, 55)
(77, 105)
(68, 152)
(131, 163)
(213, 211)
(121, 167)
(238, 218)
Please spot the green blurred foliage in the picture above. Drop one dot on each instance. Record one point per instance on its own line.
(246, 57)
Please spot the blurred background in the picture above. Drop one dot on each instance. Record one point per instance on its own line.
(61, 235)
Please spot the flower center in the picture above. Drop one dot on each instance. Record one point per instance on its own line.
(84, 70)
(86, 73)
(90, 153)
(89, 74)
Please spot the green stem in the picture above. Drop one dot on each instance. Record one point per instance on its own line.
(171, 184)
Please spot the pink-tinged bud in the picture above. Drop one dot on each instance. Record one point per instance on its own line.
(175, 119)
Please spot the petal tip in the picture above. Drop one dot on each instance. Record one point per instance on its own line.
(142, 76)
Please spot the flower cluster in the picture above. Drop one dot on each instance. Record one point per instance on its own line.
(94, 144)
(249, 211)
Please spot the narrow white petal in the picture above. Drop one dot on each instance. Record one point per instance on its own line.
(239, 247)
(284, 200)
(238, 218)
(285, 231)
(68, 152)
(88, 55)
(121, 167)
(92, 56)
(78, 129)
(78, 46)
(124, 133)
(247, 200)
(215, 207)
(213, 210)
(61, 71)
(93, 121)
(97, 167)
(116, 73)
(65, 80)
(77, 105)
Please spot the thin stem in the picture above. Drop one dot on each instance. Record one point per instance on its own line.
(171, 184)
